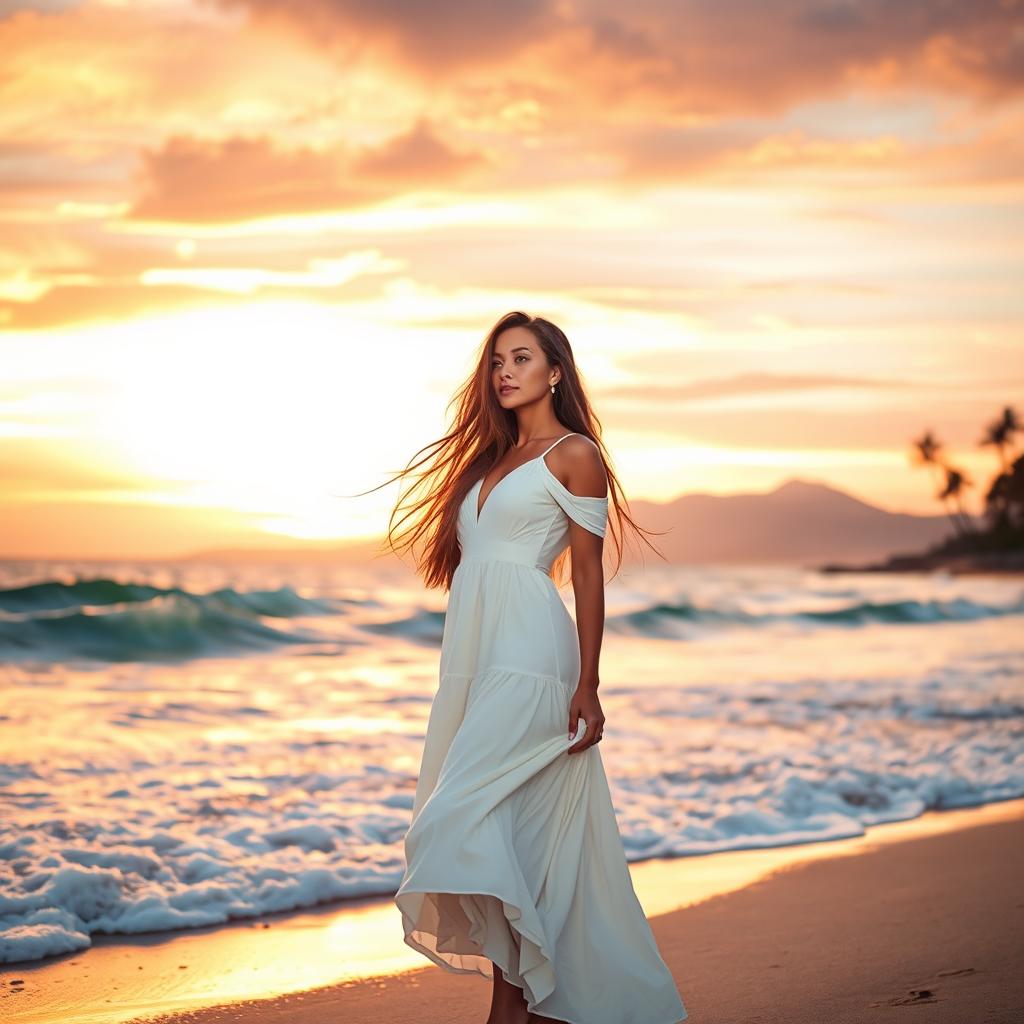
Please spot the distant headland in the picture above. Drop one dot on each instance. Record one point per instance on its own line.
(993, 544)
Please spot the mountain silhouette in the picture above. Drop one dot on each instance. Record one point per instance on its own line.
(799, 522)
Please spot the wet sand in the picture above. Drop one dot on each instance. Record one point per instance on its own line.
(927, 914)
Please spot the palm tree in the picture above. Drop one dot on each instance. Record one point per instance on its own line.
(1002, 538)
(1000, 434)
(1015, 493)
(955, 484)
(927, 451)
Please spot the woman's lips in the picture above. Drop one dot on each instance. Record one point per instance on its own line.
(505, 391)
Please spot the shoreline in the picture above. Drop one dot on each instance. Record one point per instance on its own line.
(355, 953)
(1004, 564)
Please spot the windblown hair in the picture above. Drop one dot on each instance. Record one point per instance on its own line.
(481, 434)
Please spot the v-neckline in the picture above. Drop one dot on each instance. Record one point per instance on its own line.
(478, 508)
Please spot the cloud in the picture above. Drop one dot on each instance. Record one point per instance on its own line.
(413, 158)
(30, 464)
(114, 298)
(320, 274)
(746, 57)
(888, 426)
(732, 56)
(42, 175)
(438, 36)
(746, 384)
(198, 180)
(648, 154)
(240, 122)
(970, 153)
(11, 8)
(109, 301)
(227, 180)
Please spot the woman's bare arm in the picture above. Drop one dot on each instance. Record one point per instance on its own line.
(585, 476)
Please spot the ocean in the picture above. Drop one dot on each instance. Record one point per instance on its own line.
(184, 744)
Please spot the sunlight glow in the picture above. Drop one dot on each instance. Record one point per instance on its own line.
(322, 273)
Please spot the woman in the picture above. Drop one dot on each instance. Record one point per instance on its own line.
(515, 866)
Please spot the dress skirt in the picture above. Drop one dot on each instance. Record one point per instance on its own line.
(513, 853)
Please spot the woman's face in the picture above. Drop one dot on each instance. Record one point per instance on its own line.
(520, 372)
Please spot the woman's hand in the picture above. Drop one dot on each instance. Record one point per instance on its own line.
(585, 705)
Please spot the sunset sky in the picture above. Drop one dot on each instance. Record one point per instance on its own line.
(249, 248)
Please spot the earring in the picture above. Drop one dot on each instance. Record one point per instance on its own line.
(552, 389)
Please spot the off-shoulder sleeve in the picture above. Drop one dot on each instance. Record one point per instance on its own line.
(584, 509)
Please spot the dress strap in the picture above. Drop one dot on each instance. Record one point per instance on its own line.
(550, 446)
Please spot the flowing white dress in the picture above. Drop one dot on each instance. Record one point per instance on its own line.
(514, 854)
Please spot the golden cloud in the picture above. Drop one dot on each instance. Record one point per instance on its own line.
(228, 180)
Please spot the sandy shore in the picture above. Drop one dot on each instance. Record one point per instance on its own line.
(933, 924)
(924, 918)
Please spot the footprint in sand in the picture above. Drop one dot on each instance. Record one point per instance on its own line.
(917, 995)
(924, 995)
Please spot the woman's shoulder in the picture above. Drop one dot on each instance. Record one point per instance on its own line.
(578, 465)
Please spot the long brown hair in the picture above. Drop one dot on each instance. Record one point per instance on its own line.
(481, 434)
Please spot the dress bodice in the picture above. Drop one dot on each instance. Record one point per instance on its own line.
(526, 516)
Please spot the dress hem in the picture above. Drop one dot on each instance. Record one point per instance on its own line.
(438, 958)
(513, 914)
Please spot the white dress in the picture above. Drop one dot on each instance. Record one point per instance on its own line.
(514, 854)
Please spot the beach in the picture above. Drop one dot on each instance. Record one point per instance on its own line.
(925, 914)
(212, 807)
(934, 926)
